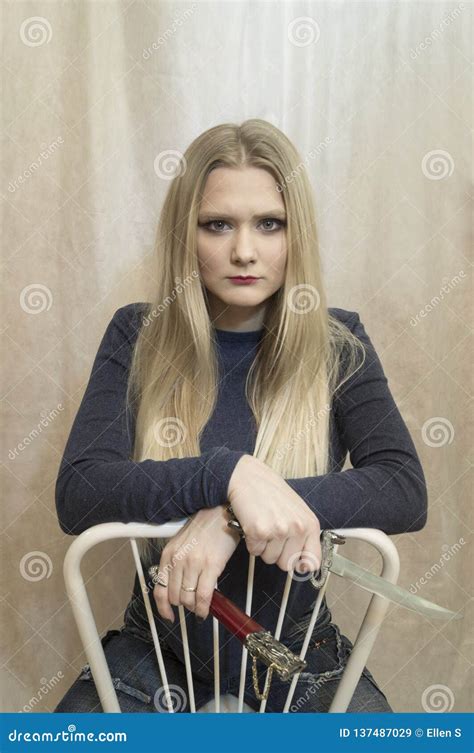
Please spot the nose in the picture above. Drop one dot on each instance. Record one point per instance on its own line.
(243, 249)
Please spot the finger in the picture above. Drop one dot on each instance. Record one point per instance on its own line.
(255, 546)
(291, 553)
(160, 594)
(205, 591)
(273, 550)
(162, 603)
(313, 544)
(175, 581)
(190, 580)
(311, 555)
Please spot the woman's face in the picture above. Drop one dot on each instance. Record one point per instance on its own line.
(241, 231)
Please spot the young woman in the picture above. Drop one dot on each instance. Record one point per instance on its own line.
(249, 391)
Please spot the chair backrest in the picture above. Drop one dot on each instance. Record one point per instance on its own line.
(93, 648)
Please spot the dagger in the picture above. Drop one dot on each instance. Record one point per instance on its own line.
(346, 568)
(259, 642)
(366, 580)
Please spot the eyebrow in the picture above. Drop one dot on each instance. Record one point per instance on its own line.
(277, 213)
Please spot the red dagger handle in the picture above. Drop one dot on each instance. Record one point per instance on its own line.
(233, 618)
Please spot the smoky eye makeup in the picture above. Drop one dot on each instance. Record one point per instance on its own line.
(207, 223)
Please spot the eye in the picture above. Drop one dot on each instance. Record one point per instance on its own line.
(218, 223)
(217, 226)
(279, 223)
(207, 225)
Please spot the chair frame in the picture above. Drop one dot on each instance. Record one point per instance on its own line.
(84, 618)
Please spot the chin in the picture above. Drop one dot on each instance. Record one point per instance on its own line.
(242, 300)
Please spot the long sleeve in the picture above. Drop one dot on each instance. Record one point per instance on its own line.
(98, 482)
(386, 487)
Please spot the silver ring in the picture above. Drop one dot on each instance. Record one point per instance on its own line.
(153, 572)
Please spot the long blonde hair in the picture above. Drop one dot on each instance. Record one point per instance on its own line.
(174, 368)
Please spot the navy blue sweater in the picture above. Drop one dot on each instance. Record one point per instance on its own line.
(98, 482)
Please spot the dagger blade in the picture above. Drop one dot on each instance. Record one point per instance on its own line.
(375, 584)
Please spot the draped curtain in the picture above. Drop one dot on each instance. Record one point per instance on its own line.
(98, 99)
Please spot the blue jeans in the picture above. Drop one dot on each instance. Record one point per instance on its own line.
(133, 665)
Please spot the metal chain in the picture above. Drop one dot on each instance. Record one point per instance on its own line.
(261, 696)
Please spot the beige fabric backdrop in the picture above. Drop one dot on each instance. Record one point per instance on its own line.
(376, 97)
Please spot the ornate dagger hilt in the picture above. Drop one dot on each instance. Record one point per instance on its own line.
(259, 642)
(328, 541)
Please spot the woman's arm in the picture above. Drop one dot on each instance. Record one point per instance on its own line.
(386, 487)
(98, 482)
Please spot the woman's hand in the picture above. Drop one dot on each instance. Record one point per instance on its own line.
(195, 556)
(278, 525)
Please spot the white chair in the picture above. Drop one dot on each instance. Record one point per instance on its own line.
(93, 648)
